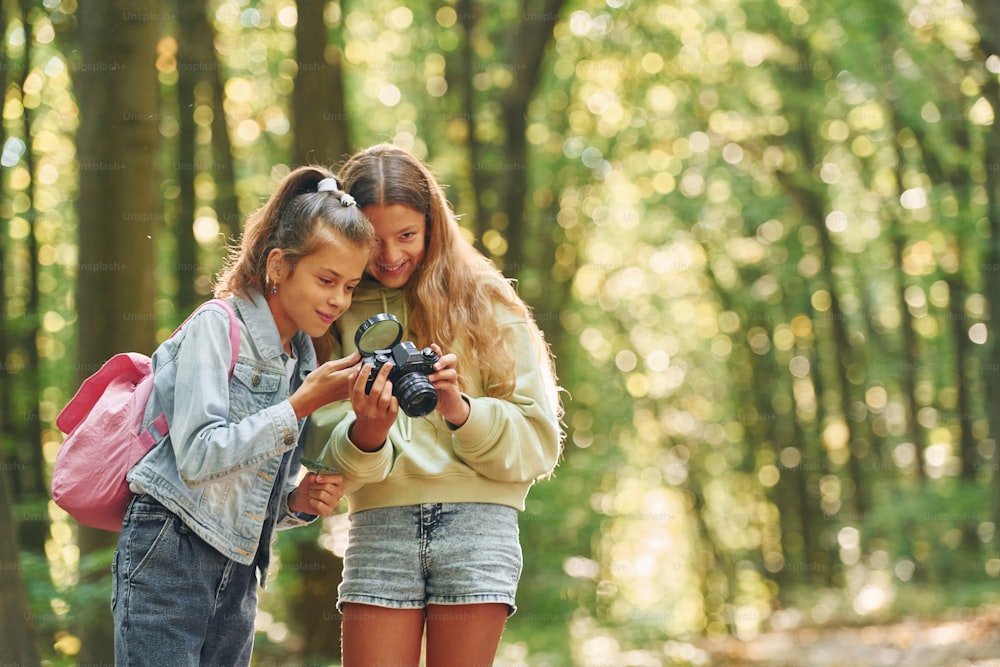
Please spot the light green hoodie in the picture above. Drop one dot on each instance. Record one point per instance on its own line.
(494, 457)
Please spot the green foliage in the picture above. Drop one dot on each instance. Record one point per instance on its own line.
(925, 531)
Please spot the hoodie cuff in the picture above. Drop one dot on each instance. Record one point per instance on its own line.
(479, 429)
(454, 427)
(354, 462)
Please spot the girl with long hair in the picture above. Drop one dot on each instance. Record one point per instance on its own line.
(433, 556)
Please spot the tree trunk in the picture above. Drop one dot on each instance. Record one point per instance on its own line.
(525, 50)
(200, 77)
(991, 291)
(910, 360)
(988, 14)
(963, 401)
(6, 373)
(499, 173)
(468, 17)
(119, 206)
(825, 552)
(319, 117)
(17, 633)
(30, 489)
(190, 45)
(812, 206)
(810, 516)
(227, 205)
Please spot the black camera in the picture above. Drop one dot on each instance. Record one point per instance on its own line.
(378, 340)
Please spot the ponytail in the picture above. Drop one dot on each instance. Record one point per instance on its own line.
(307, 201)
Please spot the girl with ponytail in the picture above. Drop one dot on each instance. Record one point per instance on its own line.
(196, 539)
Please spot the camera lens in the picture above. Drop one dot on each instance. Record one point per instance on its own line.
(417, 396)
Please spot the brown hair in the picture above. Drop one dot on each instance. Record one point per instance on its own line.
(296, 220)
(453, 293)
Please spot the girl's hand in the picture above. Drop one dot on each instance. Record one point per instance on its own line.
(450, 404)
(328, 383)
(375, 411)
(317, 494)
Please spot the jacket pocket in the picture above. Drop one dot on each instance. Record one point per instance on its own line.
(252, 389)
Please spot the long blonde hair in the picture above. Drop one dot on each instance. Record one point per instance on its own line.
(455, 290)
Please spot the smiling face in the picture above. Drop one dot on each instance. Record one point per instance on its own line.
(318, 290)
(401, 242)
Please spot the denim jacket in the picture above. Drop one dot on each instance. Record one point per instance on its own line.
(228, 436)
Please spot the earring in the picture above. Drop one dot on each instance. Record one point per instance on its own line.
(274, 290)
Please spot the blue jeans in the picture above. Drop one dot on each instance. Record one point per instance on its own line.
(175, 599)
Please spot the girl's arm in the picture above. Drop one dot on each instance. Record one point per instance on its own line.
(516, 439)
(358, 444)
(206, 446)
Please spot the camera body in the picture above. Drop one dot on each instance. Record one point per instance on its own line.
(410, 366)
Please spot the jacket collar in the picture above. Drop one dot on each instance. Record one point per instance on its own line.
(256, 314)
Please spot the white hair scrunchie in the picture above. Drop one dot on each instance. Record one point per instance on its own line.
(347, 200)
(327, 185)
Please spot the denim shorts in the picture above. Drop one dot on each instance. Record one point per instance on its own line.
(435, 553)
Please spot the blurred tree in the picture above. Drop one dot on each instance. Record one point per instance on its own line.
(908, 356)
(17, 632)
(500, 167)
(227, 206)
(810, 196)
(195, 55)
(200, 104)
(7, 436)
(119, 209)
(319, 114)
(524, 50)
(946, 152)
(23, 489)
(988, 24)
(30, 488)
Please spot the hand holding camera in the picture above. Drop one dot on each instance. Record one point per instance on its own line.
(395, 374)
(379, 340)
(451, 405)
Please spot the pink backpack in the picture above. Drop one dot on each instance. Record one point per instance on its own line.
(105, 435)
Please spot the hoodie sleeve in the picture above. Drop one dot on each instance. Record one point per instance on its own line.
(329, 428)
(518, 438)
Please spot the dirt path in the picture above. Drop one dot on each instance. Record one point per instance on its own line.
(963, 641)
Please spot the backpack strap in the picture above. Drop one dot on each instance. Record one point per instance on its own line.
(234, 329)
(234, 332)
(160, 422)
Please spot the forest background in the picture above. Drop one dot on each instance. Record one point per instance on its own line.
(761, 236)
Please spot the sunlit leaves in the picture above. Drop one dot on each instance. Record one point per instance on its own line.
(692, 123)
